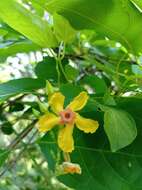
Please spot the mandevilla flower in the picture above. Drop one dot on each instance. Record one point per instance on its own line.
(67, 118)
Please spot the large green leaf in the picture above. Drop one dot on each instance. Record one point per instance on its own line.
(24, 46)
(116, 19)
(17, 86)
(27, 23)
(102, 169)
(63, 31)
(120, 128)
(47, 69)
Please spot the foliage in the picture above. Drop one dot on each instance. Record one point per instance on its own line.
(93, 46)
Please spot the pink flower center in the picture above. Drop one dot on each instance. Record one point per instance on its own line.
(67, 116)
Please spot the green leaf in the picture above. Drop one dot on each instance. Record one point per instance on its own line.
(17, 86)
(102, 169)
(71, 72)
(138, 4)
(7, 128)
(109, 49)
(102, 16)
(17, 106)
(97, 84)
(25, 46)
(63, 30)
(3, 156)
(70, 91)
(50, 149)
(27, 23)
(3, 32)
(41, 2)
(120, 128)
(108, 99)
(46, 69)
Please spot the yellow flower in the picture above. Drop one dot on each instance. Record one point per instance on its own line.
(67, 117)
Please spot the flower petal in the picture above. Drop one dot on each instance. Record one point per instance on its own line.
(65, 138)
(47, 122)
(78, 102)
(86, 125)
(57, 102)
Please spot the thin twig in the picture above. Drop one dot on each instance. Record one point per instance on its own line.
(22, 135)
(11, 164)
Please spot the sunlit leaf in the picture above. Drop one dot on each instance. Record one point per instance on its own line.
(27, 23)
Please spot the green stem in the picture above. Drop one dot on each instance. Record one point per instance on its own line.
(62, 69)
(61, 55)
(58, 71)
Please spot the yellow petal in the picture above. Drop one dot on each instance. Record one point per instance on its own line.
(86, 125)
(78, 102)
(65, 138)
(47, 122)
(57, 102)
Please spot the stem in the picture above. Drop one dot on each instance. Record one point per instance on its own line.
(58, 72)
(60, 57)
(22, 135)
(62, 69)
(66, 157)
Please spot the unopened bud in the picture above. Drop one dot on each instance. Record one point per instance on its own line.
(43, 107)
(71, 168)
(49, 88)
(36, 113)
